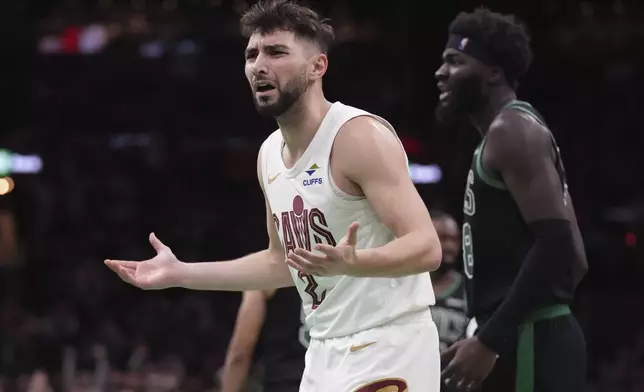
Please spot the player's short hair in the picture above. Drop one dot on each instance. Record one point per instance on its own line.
(267, 16)
(504, 36)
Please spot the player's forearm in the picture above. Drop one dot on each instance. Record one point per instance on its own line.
(548, 260)
(235, 373)
(414, 253)
(262, 270)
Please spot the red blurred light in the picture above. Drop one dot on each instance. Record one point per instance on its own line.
(69, 39)
(412, 146)
(630, 239)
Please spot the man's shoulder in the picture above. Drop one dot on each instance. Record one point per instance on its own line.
(513, 134)
(364, 141)
(512, 124)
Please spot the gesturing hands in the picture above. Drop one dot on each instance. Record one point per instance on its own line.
(469, 362)
(159, 272)
(334, 260)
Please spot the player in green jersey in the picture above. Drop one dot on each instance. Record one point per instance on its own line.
(522, 249)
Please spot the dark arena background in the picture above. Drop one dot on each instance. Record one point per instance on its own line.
(122, 117)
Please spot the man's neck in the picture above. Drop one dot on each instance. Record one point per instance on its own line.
(300, 123)
(481, 119)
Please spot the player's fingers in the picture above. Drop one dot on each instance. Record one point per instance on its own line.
(156, 243)
(448, 355)
(452, 380)
(304, 270)
(464, 384)
(451, 372)
(113, 266)
(352, 235)
(126, 274)
(311, 257)
(121, 263)
(305, 262)
(331, 251)
(303, 265)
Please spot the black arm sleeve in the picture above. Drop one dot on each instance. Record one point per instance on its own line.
(550, 257)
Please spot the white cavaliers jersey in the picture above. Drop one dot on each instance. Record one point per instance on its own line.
(308, 208)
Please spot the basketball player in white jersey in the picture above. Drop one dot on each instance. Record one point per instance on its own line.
(346, 225)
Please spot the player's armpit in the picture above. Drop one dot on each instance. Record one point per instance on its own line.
(368, 154)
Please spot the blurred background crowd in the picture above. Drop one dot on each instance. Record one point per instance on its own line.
(123, 117)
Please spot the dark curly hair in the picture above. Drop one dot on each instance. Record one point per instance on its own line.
(503, 35)
(267, 16)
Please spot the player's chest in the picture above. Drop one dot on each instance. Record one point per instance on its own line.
(304, 216)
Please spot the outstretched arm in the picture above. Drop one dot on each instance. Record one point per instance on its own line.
(370, 155)
(250, 319)
(522, 152)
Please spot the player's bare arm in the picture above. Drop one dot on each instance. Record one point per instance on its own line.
(368, 160)
(248, 326)
(263, 270)
(368, 155)
(521, 150)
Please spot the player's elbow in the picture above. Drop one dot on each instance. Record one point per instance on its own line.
(432, 254)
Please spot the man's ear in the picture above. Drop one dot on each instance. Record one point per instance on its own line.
(496, 75)
(319, 65)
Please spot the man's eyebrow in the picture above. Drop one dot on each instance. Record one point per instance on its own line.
(277, 47)
(272, 47)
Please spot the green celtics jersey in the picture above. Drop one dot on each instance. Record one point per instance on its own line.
(496, 238)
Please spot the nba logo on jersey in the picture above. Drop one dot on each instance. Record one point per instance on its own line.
(463, 43)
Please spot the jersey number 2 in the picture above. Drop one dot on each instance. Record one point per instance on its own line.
(311, 288)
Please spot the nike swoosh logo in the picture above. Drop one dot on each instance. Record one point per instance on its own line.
(355, 348)
(271, 179)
